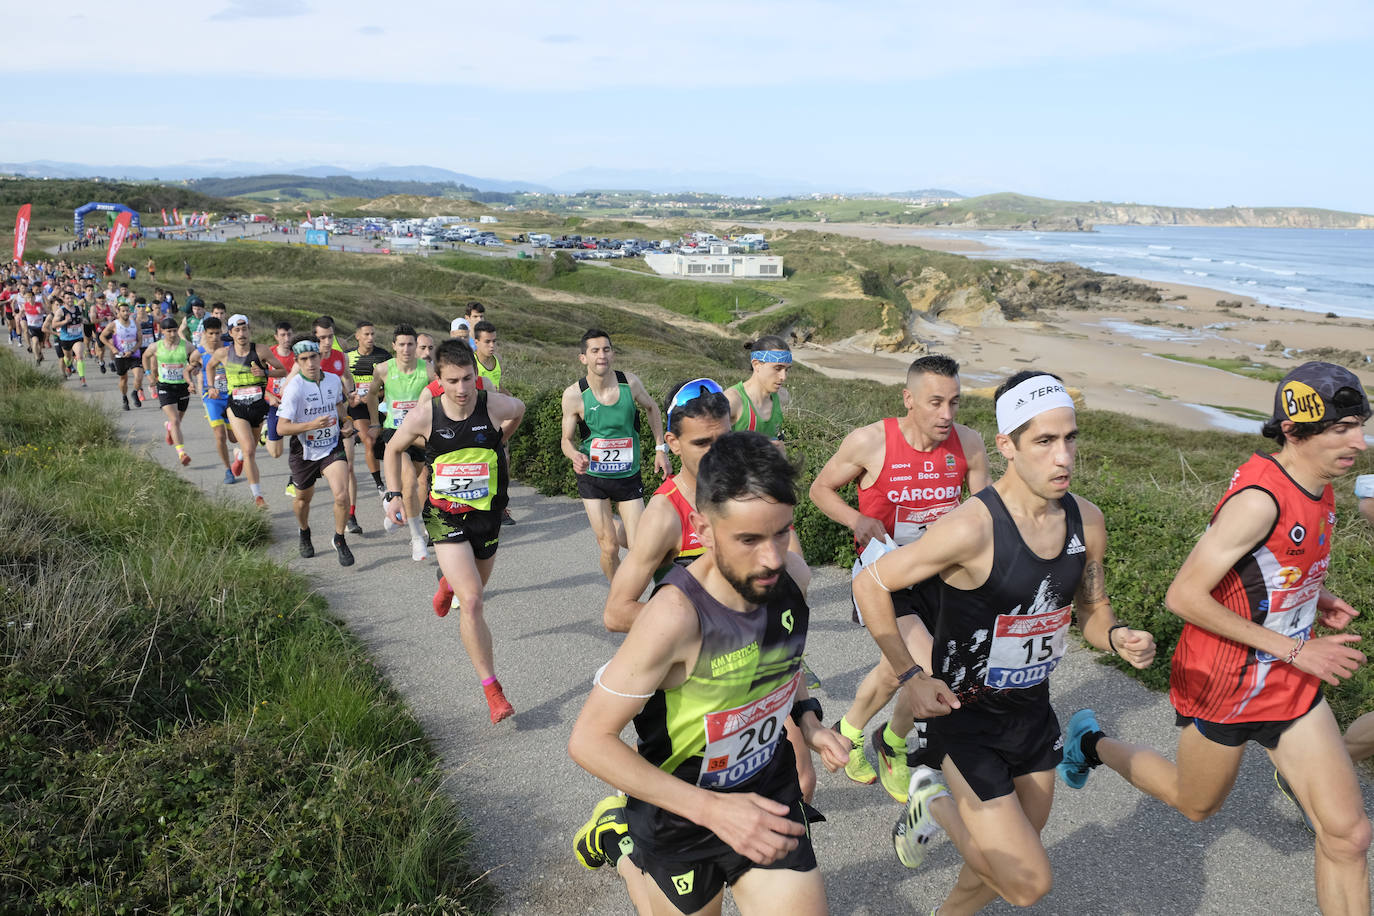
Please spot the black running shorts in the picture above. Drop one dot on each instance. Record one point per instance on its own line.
(992, 750)
(67, 346)
(124, 363)
(616, 489)
(1235, 734)
(255, 412)
(360, 414)
(415, 452)
(305, 471)
(906, 602)
(478, 527)
(178, 396)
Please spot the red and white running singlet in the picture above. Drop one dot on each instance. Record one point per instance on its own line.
(1275, 585)
(915, 488)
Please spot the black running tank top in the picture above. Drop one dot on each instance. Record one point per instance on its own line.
(462, 454)
(996, 645)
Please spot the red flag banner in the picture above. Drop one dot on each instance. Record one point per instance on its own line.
(121, 229)
(21, 231)
(176, 216)
(165, 221)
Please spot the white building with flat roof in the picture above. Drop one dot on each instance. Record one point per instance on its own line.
(722, 266)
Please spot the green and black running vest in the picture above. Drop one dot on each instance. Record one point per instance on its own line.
(749, 418)
(362, 367)
(467, 466)
(611, 432)
(244, 386)
(722, 727)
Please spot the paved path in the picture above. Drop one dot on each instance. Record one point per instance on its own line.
(1114, 851)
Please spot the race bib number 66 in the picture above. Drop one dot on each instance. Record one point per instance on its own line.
(741, 741)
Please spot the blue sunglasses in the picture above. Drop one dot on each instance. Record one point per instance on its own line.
(697, 387)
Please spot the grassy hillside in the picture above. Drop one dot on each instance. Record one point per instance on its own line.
(185, 728)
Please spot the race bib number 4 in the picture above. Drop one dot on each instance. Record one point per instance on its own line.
(1292, 611)
(1026, 648)
(463, 482)
(610, 456)
(741, 741)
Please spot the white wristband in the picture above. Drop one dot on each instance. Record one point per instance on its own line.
(1364, 486)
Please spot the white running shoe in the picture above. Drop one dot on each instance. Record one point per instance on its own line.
(387, 524)
(418, 550)
(912, 834)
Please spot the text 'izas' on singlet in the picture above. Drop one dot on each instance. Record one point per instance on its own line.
(467, 466)
(689, 542)
(612, 431)
(997, 644)
(750, 420)
(1277, 585)
(915, 488)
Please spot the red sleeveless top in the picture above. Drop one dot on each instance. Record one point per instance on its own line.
(915, 488)
(1275, 585)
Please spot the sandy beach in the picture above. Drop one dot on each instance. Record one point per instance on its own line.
(1114, 352)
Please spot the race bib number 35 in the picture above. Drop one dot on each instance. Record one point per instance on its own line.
(1026, 648)
(741, 741)
(465, 482)
(610, 456)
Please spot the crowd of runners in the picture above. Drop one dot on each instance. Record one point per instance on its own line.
(967, 585)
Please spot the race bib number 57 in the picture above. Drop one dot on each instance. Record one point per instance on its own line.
(1026, 648)
(741, 741)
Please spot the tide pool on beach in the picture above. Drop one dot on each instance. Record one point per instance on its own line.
(1317, 270)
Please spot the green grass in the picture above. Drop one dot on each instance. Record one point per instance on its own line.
(1265, 372)
(185, 728)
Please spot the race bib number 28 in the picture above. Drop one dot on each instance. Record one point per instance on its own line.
(741, 741)
(1026, 648)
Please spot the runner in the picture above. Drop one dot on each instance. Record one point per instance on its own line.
(36, 318)
(281, 349)
(462, 432)
(459, 330)
(770, 358)
(190, 324)
(121, 336)
(1248, 666)
(709, 678)
(400, 381)
(102, 313)
(362, 360)
(910, 471)
(152, 270)
(69, 321)
(312, 412)
(215, 397)
(147, 337)
(424, 351)
(605, 456)
(245, 371)
(334, 361)
(1012, 563)
(476, 312)
(489, 369)
(174, 363)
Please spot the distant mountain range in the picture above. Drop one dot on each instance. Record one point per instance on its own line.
(656, 181)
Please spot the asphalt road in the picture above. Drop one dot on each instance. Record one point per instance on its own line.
(1114, 851)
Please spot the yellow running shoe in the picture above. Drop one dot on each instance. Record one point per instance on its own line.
(606, 835)
(858, 768)
(892, 768)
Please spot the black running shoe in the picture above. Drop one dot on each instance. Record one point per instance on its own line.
(341, 546)
(102, 367)
(353, 527)
(138, 399)
(125, 399)
(307, 548)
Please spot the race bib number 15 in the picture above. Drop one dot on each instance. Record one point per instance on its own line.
(1026, 648)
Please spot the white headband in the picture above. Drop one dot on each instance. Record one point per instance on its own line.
(1029, 399)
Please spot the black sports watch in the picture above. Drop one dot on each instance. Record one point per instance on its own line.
(802, 707)
(389, 495)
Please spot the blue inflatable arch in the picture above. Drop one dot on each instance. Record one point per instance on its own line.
(79, 214)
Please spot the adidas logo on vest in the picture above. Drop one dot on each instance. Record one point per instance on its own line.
(1075, 546)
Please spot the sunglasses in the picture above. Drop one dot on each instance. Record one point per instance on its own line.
(696, 388)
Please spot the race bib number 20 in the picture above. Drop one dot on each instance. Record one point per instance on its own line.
(741, 741)
(1026, 648)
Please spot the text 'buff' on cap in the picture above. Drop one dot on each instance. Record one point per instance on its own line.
(1319, 391)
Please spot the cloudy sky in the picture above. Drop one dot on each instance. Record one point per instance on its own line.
(1191, 102)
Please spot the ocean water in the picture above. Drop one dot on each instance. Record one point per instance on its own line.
(1319, 270)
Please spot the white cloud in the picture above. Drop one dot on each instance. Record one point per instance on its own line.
(543, 44)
